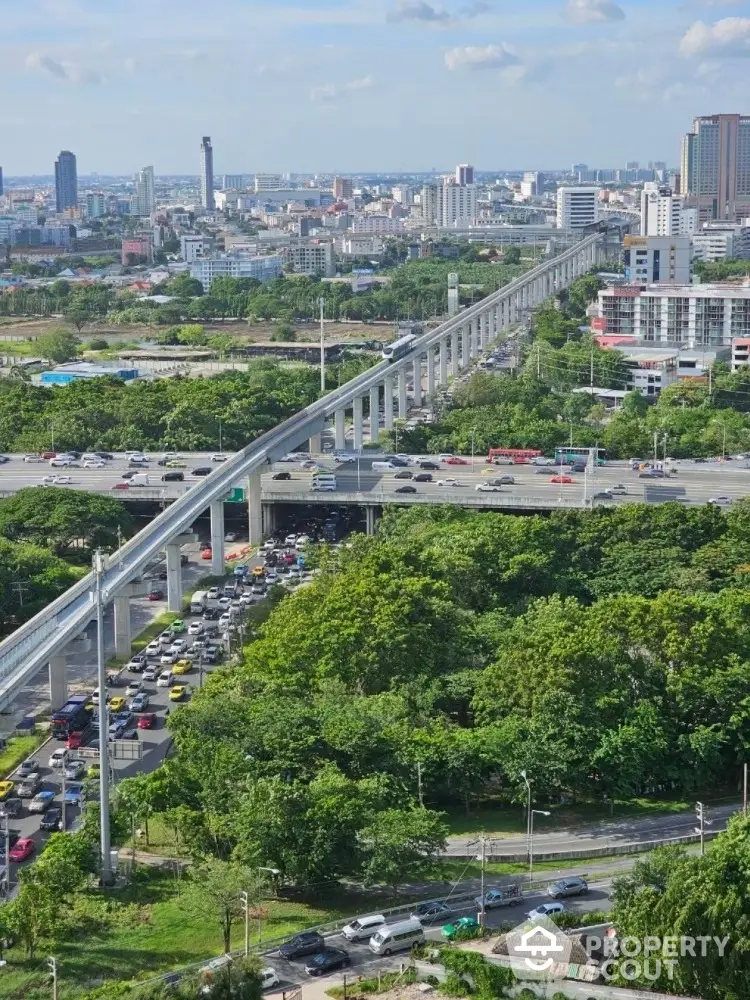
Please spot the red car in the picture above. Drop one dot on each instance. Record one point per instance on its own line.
(146, 721)
(561, 479)
(22, 849)
(456, 461)
(206, 554)
(156, 595)
(75, 740)
(289, 559)
(121, 486)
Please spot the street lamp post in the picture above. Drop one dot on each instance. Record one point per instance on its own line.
(273, 871)
(245, 900)
(528, 812)
(534, 812)
(473, 432)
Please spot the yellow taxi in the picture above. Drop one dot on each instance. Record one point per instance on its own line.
(177, 693)
(6, 787)
(258, 572)
(182, 667)
(117, 704)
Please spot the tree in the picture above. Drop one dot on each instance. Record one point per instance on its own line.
(58, 346)
(185, 287)
(61, 519)
(32, 914)
(402, 845)
(512, 255)
(213, 893)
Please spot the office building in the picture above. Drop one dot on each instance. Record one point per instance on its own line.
(236, 265)
(711, 315)
(654, 259)
(96, 205)
(577, 207)
(66, 181)
(721, 242)
(145, 197)
(715, 167)
(207, 174)
(233, 182)
(532, 185)
(194, 248)
(313, 257)
(138, 250)
(464, 174)
(267, 182)
(664, 213)
(343, 189)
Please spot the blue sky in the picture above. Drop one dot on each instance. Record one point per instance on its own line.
(363, 84)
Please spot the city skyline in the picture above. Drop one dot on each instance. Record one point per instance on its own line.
(490, 82)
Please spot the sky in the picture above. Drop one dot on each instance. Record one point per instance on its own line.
(363, 85)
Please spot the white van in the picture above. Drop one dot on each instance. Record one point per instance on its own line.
(363, 928)
(139, 479)
(397, 937)
(325, 483)
(382, 466)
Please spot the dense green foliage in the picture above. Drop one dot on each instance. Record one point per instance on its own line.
(719, 270)
(63, 519)
(31, 577)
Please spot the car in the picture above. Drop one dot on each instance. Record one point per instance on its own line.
(463, 924)
(12, 808)
(57, 757)
(211, 614)
(203, 470)
(327, 960)
(504, 481)
(22, 849)
(32, 458)
(431, 913)
(230, 536)
(41, 801)
(51, 820)
(207, 554)
(165, 640)
(151, 673)
(74, 794)
(561, 480)
(343, 458)
(604, 495)
(27, 768)
(652, 474)
(545, 910)
(94, 463)
(431, 466)
(177, 626)
(502, 460)
(74, 769)
(195, 628)
(406, 489)
(213, 594)
(60, 480)
(487, 488)
(117, 703)
(178, 692)
(269, 978)
(721, 500)
(423, 477)
(225, 620)
(156, 595)
(136, 664)
(173, 477)
(134, 688)
(28, 788)
(455, 460)
(282, 476)
(165, 679)
(447, 482)
(59, 462)
(140, 702)
(404, 474)
(146, 721)
(306, 943)
(574, 886)
(168, 658)
(224, 602)
(6, 787)
(218, 457)
(182, 667)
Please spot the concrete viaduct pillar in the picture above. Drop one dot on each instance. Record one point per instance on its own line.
(254, 510)
(174, 576)
(374, 414)
(357, 411)
(339, 429)
(217, 537)
(388, 409)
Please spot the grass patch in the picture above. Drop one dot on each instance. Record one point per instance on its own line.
(161, 840)
(139, 931)
(18, 749)
(157, 626)
(371, 987)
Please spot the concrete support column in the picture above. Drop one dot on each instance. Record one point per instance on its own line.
(472, 333)
(217, 537)
(122, 626)
(455, 364)
(370, 519)
(174, 576)
(357, 408)
(443, 362)
(374, 414)
(58, 681)
(339, 429)
(430, 372)
(254, 510)
(314, 445)
(418, 379)
(388, 414)
(402, 404)
(268, 512)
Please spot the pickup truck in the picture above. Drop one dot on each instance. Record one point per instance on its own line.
(509, 895)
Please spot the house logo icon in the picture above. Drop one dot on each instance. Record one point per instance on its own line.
(538, 950)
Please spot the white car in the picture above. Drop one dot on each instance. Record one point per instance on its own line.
(224, 602)
(225, 619)
(302, 541)
(150, 673)
(134, 454)
(168, 658)
(195, 628)
(57, 757)
(33, 458)
(338, 457)
(619, 490)
(447, 482)
(213, 594)
(60, 463)
(153, 648)
(165, 679)
(89, 456)
(721, 501)
(246, 600)
(290, 541)
(271, 576)
(268, 545)
(545, 910)
(134, 688)
(486, 488)
(218, 457)
(269, 978)
(94, 463)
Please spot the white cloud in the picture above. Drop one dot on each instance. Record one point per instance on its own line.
(364, 83)
(38, 61)
(418, 10)
(728, 37)
(593, 11)
(326, 93)
(481, 57)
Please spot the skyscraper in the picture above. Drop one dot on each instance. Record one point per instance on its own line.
(464, 173)
(66, 181)
(145, 198)
(343, 189)
(715, 167)
(207, 174)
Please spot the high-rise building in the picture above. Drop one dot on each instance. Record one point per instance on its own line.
(343, 189)
(268, 182)
(66, 181)
(464, 173)
(96, 205)
(715, 167)
(664, 213)
(577, 207)
(449, 203)
(654, 259)
(233, 182)
(145, 197)
(207, 174)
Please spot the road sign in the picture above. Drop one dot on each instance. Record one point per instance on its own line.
(237, 495)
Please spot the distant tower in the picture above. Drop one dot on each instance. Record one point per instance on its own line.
(66, 181)
(207, 174)
(145, 197)
(464, 173)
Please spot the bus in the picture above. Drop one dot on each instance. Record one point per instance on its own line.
(73, 717)
(519, 456)
(569, 456)
(391, 352)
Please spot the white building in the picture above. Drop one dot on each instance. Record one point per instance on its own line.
(145, 197)
(361, 246)
(691, 315)
(316, 258)
(381, 224)
(235, 265)
(207, 174)
(267, 182)
(96, 205)
(664, 213)
(457, 203)
(402, 193)
(716, 241)
(653, 259)
(577, 207)
(464, 174)
(194, 248)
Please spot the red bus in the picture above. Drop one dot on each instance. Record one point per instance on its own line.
(519, 456)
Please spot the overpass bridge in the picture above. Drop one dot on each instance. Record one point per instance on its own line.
(438, 355)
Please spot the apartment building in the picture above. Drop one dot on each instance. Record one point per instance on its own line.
(368, 222)
(235, 265)
(313, 257)
(664, 213)
(577, 207)
(715, 167)
(194, 248)
(653, 259)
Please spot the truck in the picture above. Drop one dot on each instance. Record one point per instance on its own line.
(198, 602)
(74, 716)
(507, 895)
(139, 479)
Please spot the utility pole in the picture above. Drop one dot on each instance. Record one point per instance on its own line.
(20, 588)
(321, 303)
(62, 776)
(700, 812)
(420, 792)
(246, 910)
(656, 445)
(528, 813)
(534, 812)
(482, 841)
(106, 875)
(52, 963)
(591, 386)
(7, 856)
